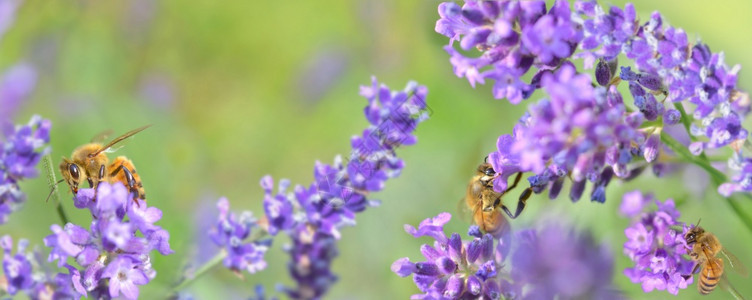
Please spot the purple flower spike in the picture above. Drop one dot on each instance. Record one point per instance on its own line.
(655, 247)
(21, 149)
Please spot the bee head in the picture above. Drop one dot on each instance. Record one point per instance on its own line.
(694, 234)
(72, 173)
(486, 173)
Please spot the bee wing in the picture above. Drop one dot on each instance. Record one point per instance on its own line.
(725, 284)
(735, 263)
(119, 139)
(466, 214)
(100, 137)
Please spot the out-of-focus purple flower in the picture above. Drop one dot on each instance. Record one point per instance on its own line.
(453, 269)
(17, 268)
(15, 85)
(26, 272)
(230, 234)
(114, 247)
(8, 10)
(633, 202)
(742, 180)
(656, 248)
(546, 258)
(22, 149)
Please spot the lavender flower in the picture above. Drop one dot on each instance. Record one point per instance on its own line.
(313, 215)
(230, 233)
(453, 269)
(581, 131)
(517, 36)
(655, 248)
(543, 39)
(22, 149)
(23, 273)
(542, 265)
(111, 247)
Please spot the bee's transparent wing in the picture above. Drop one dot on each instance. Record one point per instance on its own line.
(466, 214)
(735, 263)
(100, 137)
(119, 139)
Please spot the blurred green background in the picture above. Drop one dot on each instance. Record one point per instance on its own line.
(236, 90)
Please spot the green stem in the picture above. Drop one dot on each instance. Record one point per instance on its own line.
(716, 177)
(214, 261)
(55, 193)
(684, 118)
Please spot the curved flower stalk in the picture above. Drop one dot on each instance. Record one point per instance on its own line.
(655, 247)
(115, 252)
(540, 266)
(25, 272)
(514, 37)
(22, 148)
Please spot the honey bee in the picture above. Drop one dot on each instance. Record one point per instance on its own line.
(704, 246)
(90, 164)
(486, 205)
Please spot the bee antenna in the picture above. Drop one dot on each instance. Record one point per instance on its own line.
(698, 222)
(485, 160)
(54, 188)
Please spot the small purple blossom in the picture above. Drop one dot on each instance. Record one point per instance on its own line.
(655, 247)
(111, 247)
(22, 149)
(231, 233)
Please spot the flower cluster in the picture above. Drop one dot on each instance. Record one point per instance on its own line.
(230, 233)
(453, 269)
(580, 132)
(22, 149)
(512, 36)
(586, 132)
(313, 215)
(654, 246)
(114, 258)
(542, 263)
(22, 274)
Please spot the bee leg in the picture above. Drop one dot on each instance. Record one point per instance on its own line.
(694, 270)
(520, 203)
(129, 178)
(514, 183)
